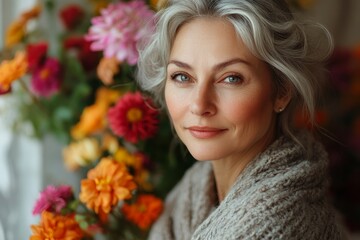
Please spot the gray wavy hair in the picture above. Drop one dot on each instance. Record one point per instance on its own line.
(293, 49)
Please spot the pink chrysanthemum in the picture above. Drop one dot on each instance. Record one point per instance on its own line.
(53, 199)
(46, 79)
(119, 28)
(133, 118)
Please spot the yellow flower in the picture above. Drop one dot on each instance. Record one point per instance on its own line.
(110, 143)
(123, 156)
(106, 184)
(81, 153)
(107, 96)
(12, 70)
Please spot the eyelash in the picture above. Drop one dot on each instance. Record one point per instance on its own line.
(239, 77)
(174, 76)
(177, 74)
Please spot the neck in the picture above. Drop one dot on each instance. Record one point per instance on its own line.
(226, 173)
(227, 170)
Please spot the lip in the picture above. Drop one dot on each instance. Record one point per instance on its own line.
(204, 132)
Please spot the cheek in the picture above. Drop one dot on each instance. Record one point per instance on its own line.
(173, 103)
(251, 111)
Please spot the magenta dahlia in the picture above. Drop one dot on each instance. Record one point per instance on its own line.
(46, 80)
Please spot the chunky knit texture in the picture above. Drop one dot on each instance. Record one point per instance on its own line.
(279, 195)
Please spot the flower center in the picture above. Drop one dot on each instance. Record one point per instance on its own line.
(134, 115)
(142, 208)
(103, 184)
(44, 74)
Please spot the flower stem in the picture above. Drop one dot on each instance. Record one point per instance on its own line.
(34, 99)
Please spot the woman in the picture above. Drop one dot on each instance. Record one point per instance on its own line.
(232, 73)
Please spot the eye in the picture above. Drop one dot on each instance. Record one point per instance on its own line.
(180, 77)
(233, 79)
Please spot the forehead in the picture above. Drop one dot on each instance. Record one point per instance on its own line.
(210, 40)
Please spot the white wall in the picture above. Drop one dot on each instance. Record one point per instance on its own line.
(20, 161)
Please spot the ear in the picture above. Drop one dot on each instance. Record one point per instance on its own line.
(283, 97)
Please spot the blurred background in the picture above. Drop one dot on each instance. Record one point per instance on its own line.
(28, 164)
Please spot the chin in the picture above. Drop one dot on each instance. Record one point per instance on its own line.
(204, 154)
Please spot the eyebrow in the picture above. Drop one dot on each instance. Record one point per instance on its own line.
(217, 67)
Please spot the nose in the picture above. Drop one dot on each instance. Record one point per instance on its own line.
(203, 101)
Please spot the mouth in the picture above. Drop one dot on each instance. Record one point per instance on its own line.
(205, 132)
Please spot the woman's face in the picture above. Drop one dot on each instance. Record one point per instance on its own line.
(219, 96)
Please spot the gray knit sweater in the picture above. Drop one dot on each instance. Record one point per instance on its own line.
(279, 195)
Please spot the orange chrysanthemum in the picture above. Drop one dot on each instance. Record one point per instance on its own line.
(12, 70)
(15, 32)
(93, 118)
(34, 12)
(17, 29)
(106, 70)
(144, 211)
(56, 227)
(107, 184)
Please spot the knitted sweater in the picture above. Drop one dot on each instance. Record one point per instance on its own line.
(279, 195)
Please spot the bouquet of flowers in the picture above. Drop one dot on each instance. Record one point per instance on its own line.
(80, 87)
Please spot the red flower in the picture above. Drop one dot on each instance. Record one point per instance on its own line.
(88, 58)
(133, 118)
(71, 16)
(144, 211)
(47, 80)
(36, 54)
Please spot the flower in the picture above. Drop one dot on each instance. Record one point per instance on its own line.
(36, 54)
(17, 29)
(110, 143)
(46, 79)
(119, 28)
(12, 70)
(81, 153)
(144, 211)
(92, 120)
(124, 156)
(56, 227)
(158, 4)
(71, 16)
(15, 33)
(106, 70)
(93, 117)
(133, 118)
(34, 12)
(89, 59)
(53, 199)
(106, 184)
